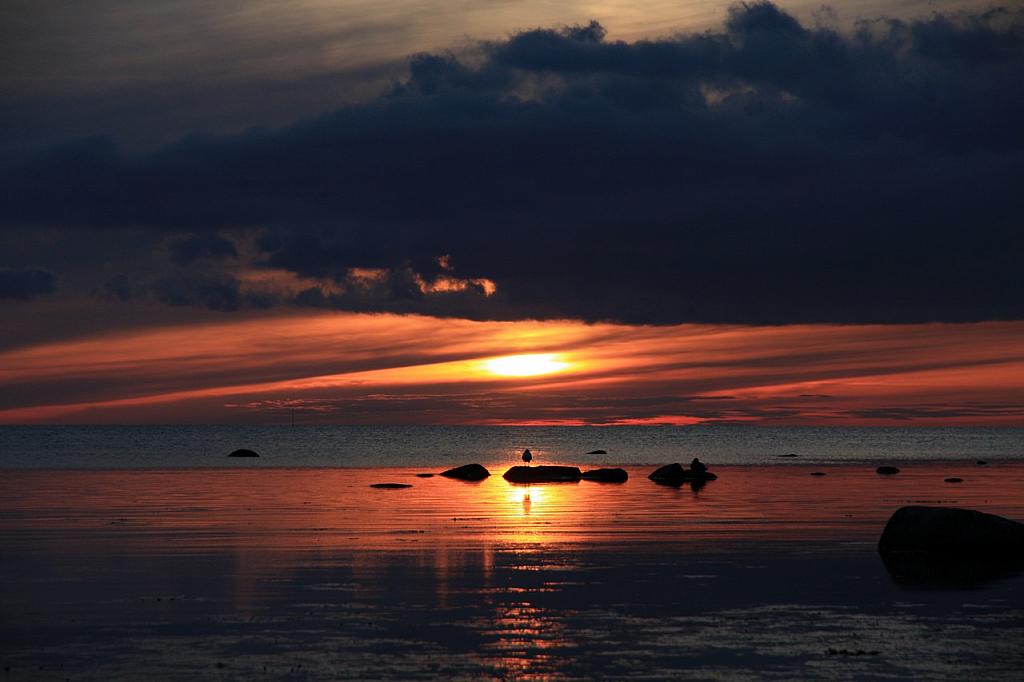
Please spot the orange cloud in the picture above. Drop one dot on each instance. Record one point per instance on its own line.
(355, 368)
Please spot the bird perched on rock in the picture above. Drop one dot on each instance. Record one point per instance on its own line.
(527, 455)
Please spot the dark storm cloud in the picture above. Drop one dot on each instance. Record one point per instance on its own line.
(25, 285)
(765, 172)
(216, 291)
(187, 249)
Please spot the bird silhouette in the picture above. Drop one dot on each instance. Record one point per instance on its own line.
(527, 455)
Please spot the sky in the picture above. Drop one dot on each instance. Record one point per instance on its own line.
(514, 212)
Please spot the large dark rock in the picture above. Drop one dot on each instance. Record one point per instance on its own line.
(887, 470)
(675, 474)
(243, 453)
(543, 474)
(952, 533)
(468, 472)
(597, 452)
(390, 486)
(606, 475)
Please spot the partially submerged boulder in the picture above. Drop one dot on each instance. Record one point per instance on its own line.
(390, 486)
(597, 452)
(424, 475)
(242, 452)
(543, 474)
(953, 479)
(887, 470)
(950, 532)
(817, 473)
(467, 472)
(606, 475)
(667, 473)
(675, 474)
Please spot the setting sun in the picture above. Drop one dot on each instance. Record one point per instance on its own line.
(525, 365)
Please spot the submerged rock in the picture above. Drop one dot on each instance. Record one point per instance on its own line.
(982, 462)
(242, 452)
(953, 479)
(951, 532)
(606, 475)
(817, 473)
(543, 474)
(887, 470)
(675, 474)
(424, 475)
(921, 570)
(788, 454)
(467, 472)
(390, 486)
(597, 452)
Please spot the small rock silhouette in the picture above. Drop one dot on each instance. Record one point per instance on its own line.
(467, 472)
(606, 475)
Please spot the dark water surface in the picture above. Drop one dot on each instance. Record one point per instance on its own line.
(168, 447)
(305, 573)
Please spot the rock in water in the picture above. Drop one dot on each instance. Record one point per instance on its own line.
(788, 454)
(468, 472)
(952, 533)
(243, 453)
(675, 474)
(606, 475)
(953, 479)
(597, 452)
(887, 470)
(390, 486)
(817, 473)
(424, 475)
(669, 472)
(543, 474)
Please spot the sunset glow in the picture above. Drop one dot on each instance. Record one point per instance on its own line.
(525, 365)
(355, 368)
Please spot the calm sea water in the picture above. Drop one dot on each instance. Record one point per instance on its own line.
(129, 447)
(309, 574)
